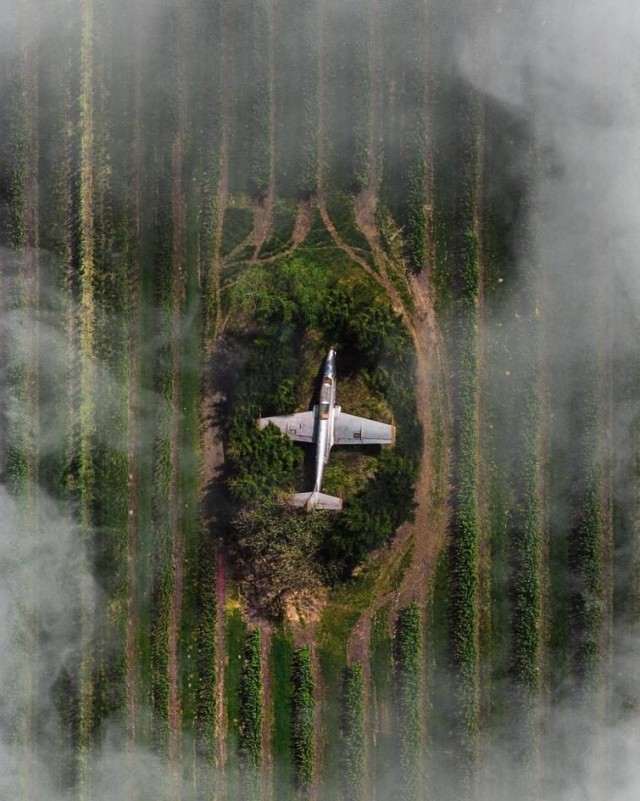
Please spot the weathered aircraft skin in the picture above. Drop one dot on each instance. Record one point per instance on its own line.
(327, 425)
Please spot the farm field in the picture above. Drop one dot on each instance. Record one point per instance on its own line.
(199, 198)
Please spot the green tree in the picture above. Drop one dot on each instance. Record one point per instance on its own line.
(261, 461)
(275, 550)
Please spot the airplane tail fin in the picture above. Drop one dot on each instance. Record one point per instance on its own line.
(315, 500)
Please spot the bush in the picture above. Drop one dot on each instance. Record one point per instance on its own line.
(261, 461)
(372, 516)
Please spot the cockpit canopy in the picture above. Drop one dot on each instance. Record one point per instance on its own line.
(325, 398)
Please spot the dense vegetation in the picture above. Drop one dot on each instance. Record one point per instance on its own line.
(298, 308)
(250, 719)
(352, 733)
(303, 720)
(407, 657)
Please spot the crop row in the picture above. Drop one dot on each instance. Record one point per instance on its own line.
(587, 530)
(352, 733)
(362, 104)
(307, 175)
(247, 32)
(206, 612)
(527, 525)
(457, 278)
(163, 467)
(407, 663)
(303, 720)
(415, 142)
(250, 718)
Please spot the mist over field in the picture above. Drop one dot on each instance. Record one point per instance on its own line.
(198, 199)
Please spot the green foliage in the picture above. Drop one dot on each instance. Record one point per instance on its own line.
(407, 660)
(304, 294)
(250, 718)
(162, 598)
(586, 535)
(341, 209)
(526, 535)
(238, 224)
(352, 732)
(372, 516)
(303, 719)
(275, 552)
(261, 461)
(284, 217)
(207, 612)
(281, 658)
(235, 640)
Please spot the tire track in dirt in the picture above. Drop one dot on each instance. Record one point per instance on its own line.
(302, 225)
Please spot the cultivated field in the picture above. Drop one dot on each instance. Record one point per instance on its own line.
(197, 199)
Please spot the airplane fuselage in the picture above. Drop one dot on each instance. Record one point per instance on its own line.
(326, 410)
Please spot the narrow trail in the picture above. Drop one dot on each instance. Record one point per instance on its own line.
(222, 192)
(83, 228)
(302, 225)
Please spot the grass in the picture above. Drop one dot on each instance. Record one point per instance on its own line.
(345, 604)
(281, 660)
(284, 217)
(382, 744)
(237, 225)
(341, 209)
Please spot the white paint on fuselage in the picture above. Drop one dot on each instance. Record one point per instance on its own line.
(324, 422)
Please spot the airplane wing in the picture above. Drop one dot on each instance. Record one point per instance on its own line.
(299, 427)
(351, 430)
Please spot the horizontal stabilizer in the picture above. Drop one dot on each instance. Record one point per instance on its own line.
(315, 500)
